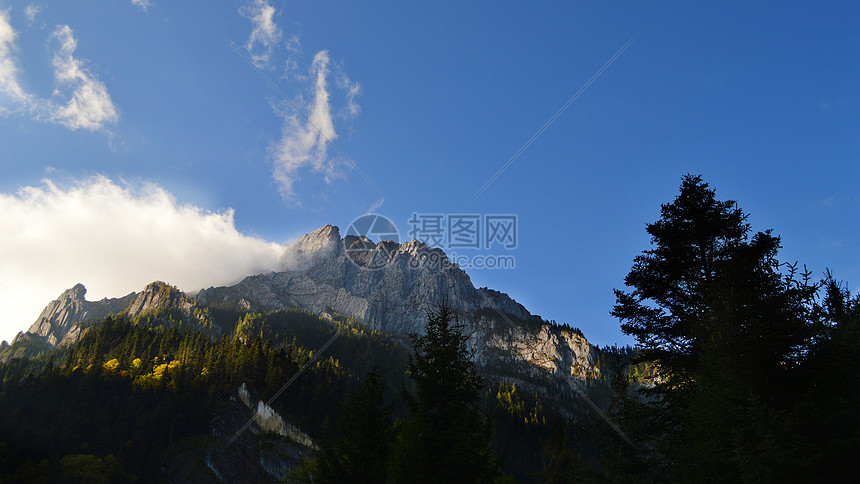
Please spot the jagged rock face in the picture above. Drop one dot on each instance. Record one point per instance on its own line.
(160, 296)
(239, 454)
(556, 350)
(60, 322)
(268, 420)
(61, 316)
(393, 299)
(308, 250)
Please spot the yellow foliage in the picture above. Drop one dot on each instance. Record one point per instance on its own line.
(157, 373)
(111, 365)
(159, 370)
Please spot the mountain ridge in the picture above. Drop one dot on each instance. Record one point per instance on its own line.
(327, 275)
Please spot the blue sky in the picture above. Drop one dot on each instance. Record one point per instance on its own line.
(153, 150)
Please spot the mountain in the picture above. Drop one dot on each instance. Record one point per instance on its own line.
(195, 350)
(393, 298)
(65, 319)
(58, 322)
(384, 285)
(328, 274)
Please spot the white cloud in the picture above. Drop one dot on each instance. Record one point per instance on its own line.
(303, 142)
(376, 205)
(353, 91)
(141, 4)
(294, 48)
(266, 33)
(90, 105)
(114, 239)
(10, 86)
(293, 45)
(30, 12)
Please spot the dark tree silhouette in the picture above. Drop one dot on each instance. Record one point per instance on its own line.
(726, 328)
(446, 437)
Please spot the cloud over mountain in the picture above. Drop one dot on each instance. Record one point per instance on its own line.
(115, 239)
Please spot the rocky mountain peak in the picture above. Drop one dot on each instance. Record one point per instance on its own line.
(157, 295)
(320, 238)
(344, 275)
(59, 320)
(77, 292)
(310, 248)
(414, 246)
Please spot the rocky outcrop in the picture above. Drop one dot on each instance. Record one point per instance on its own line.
(158, 295)
(254, 447)
(62, 321)
(556, 350)
(166, 304)
(393, 298)
(268, 420)
(61, 318)
(24, 345)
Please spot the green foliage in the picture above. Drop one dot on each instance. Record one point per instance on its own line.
(515, 406)
(132, 388)
(522, 423)
(445, 437)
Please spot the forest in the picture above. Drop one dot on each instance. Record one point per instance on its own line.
(745, 369)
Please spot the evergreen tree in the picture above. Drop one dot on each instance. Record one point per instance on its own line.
(446, 438)
(828, 426)
(726, 329)
(367, 431)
